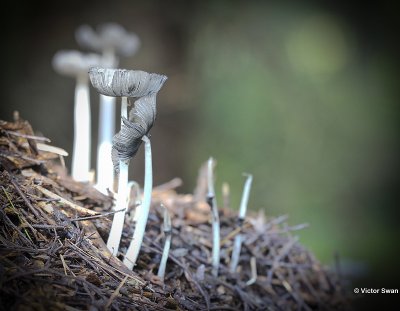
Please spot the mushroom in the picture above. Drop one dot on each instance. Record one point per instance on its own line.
(109, 40)
(76, 64)
(211, 200)
(237, 244)
(130, 83)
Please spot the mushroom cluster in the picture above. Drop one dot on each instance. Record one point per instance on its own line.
(76, 64)
(115, 151)
(144, 86)
(111, 40)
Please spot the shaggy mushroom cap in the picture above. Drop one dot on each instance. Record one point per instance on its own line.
(72, 63)
(129, 83)
(125, 83)
(108, 36)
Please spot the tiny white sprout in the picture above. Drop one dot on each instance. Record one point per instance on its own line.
(253, 267)
(214, 217)
(111, 40)
(76, 64)
(130, 83)
(237, 244)
(168, 236)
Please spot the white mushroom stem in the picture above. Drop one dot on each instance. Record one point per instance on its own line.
(167, 245)
(215, 219)
(237, 244)
(245, 196)
(143, 212)
(118, 221)
(105, 169)
(82, 136)
(124, 108)
(253, 267)
(109, 57)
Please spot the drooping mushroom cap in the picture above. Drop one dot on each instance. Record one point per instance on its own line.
(108, 36)
(73, 63)
(130, 83)
(125, 83)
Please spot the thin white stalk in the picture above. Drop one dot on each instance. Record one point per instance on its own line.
(143, 212)
(253, 267)
(118, 220)
(124, 108)
(81, 150)
(105, 169)
(167, 245)
(237, 244)
(245, 196)
(215, 218)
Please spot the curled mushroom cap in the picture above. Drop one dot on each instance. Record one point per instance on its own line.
(125, 83)
(72, 63)
(126, 143)
(129, 83)
(108, 36)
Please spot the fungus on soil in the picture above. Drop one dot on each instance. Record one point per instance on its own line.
(144, 86)
(76, 64)
(110, 40)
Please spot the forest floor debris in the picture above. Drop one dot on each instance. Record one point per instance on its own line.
(53, 255)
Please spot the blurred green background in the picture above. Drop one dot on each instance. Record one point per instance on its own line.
(302, 95)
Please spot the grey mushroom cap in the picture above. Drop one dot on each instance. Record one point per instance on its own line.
(73, 63)
(108, 36)
(125, 83)
(127, 141)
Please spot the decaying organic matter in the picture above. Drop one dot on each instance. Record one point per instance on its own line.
(52, 254)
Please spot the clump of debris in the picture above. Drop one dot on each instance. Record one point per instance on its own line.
(53, 255)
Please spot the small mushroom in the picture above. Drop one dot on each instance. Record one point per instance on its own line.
(110, 40)
(211, 200)
(237, 244)
(76, 64)
(130, 83)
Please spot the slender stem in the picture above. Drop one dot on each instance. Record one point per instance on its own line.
(253, 267)
(143, 212)
(237, 244)
(109, 58)
(215, 219)
(124, 108)
(245, 196)
(81, 150)
(118, 222)
(167, 245)
(105, 169)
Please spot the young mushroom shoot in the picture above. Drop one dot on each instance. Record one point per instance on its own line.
(237, 244)
(76, 64)
(168, 236)
(110, 40)
(144, 86)
(211, 200)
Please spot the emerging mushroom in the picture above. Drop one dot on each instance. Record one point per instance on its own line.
(237, 245)
(211, 200)
(130, 83)
(110, 40)
(76, 64)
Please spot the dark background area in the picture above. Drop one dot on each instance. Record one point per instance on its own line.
(263, 87)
